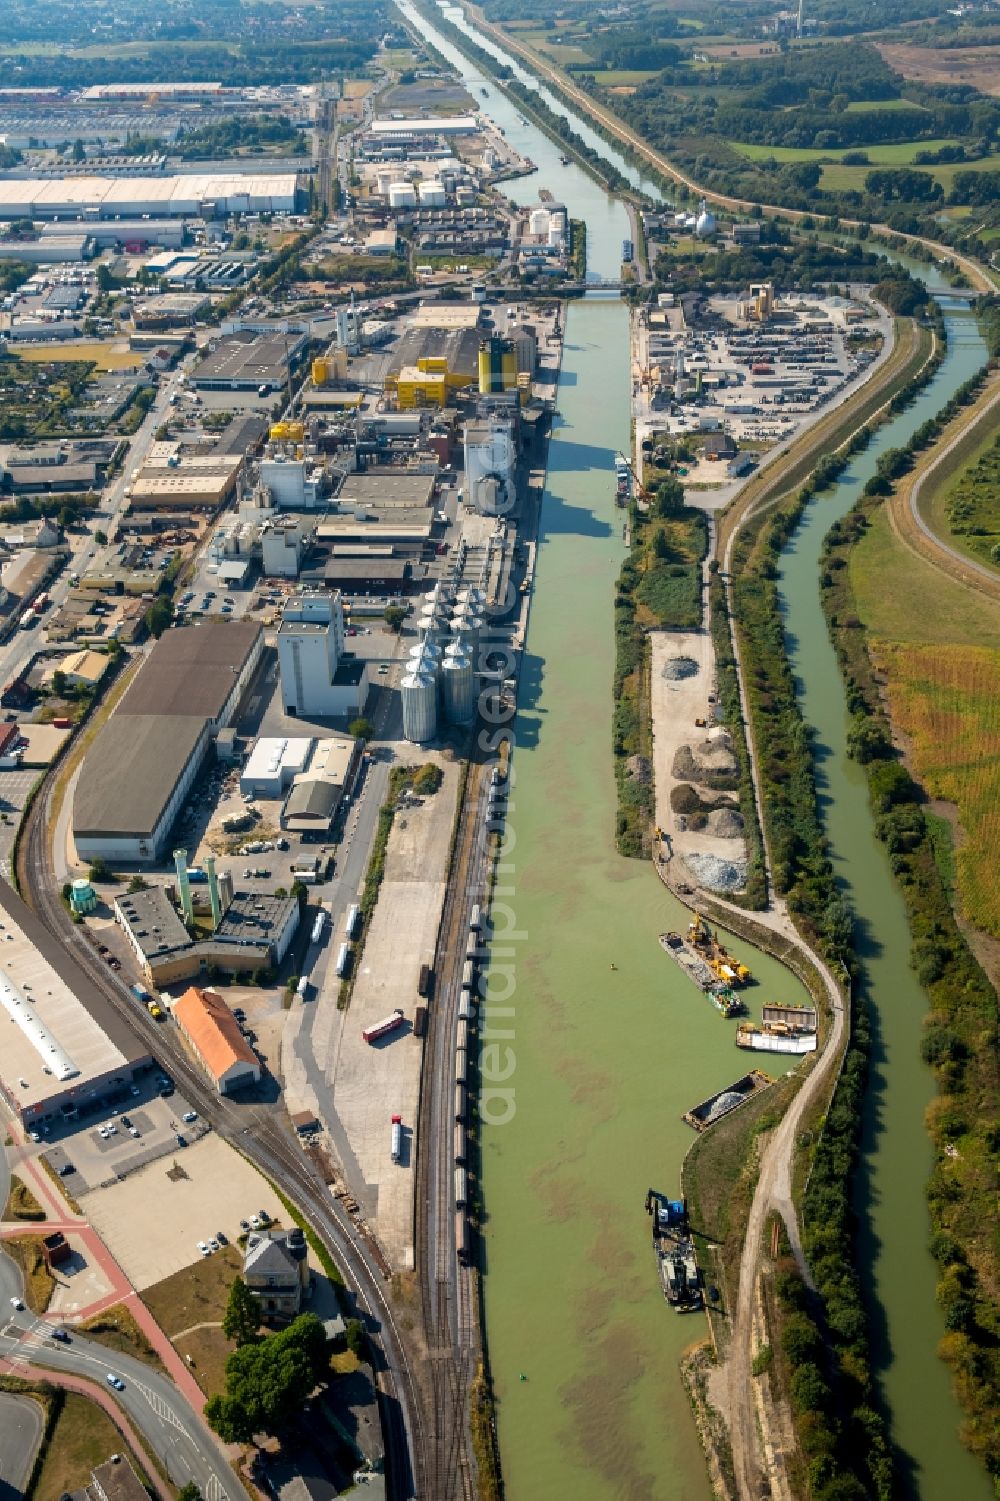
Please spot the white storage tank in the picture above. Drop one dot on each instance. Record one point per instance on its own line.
(538, 221)
(474, 598)
(402, 195)
(426, 649)
(432, 194)
(705, 223)
(418, 691)
(556, 235)
(458, 688)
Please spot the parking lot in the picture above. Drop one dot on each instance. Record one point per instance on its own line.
(14, 789)
(117, 1139)
(152, 1222)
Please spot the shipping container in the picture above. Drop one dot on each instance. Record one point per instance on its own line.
(464, 1007)
(353, 917)
(462, 1033)
(420, 1022)
(469, 974)
(318, 926)
(475, 920)
(459, 1144)
(302, 988)
(461, 1188)
(384, 1027)
(343, 959)
(461, 1067)
(396, 1140)
(460, 1102)
(424, 980)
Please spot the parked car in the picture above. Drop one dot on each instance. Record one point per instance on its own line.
(189, 1116)
(203, 1248)
(16, 1303)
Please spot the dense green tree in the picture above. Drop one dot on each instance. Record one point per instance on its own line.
(241, 1320)
(267, 1382)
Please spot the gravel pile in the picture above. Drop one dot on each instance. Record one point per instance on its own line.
(680, 667)
(718, 874)
(724, 1104)
(725, 823)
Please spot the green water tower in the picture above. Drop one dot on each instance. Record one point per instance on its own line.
(83, 897)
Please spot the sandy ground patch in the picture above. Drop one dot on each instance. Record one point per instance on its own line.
(374, 1082)
(977, 66)
(676, 703)
(151, 1222)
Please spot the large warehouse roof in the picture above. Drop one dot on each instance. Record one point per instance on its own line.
(143, 750)
(128, 776)
(60, 1032)
(191, 672)
(20, 197)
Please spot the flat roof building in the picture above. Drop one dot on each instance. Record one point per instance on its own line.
(246, 361)
(186, 196)
(143, 761)
(64, 1044)
(273, 765)
(316, 794)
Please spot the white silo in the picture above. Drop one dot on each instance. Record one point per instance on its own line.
(705, 223)
(475, 598)
(465, 627)
(538, 221)
(458, 689)
(402, 195)
(425, 651)
(418, 691)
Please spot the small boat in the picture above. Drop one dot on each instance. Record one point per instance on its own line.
(564, 161)
(485, 93)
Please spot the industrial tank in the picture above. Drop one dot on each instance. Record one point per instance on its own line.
(538, 221)
(418, 691)
(458, 687)
(473, 598)
(320, 372)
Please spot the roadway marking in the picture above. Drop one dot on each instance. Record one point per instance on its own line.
(214, 1490)
(160, 1406)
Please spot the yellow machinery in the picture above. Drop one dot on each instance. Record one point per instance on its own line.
(320, 372)
(287, 432)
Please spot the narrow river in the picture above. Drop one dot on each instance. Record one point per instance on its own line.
(897, 1159)
(607, 1060)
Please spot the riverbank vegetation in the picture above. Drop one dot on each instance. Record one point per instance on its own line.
(956, 703)
(659, 588)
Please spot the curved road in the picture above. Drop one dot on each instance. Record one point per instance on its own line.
(969, 565)
(21, 1424)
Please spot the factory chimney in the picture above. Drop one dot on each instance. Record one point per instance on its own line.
(183, 884)
(213, 891)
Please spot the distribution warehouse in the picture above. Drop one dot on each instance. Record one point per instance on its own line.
(65, 1045)
(171, 197)
(145, 758)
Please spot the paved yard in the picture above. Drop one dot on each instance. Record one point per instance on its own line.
(153, 1221)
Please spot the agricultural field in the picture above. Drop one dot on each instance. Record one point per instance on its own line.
(865, 106)
(103, 354)
(618, 78)
(969, 506)
(977, 66)
(942, 667)
(896, 154)
(946, 701)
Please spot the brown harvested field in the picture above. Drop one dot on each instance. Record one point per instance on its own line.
(977, 66)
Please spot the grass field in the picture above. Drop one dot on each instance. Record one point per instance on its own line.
(897, 154)
(82, 1438)
(613, 78)
(194, 1300)
(26, 1250)
(942, 665)
(21, 1203)
(117, 1330)
(965, 506)
(865, 106)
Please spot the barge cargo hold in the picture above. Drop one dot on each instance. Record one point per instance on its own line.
(725, 1101)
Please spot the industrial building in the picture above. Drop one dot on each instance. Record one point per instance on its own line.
(316, 793)
(490, 456)
(65, 1046)
(318, 678)
(246, 361)
(191, 196)
(215, 1037)
(184, 481)
(417, 129)
(273, 765)
(252, 930)
(429, 365)
(145, 758)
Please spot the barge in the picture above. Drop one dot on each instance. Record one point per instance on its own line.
(673, 1247)
(725, 1101)
(721, 994)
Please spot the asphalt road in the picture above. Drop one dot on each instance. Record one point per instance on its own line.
(20, 1435)
(175, 1433)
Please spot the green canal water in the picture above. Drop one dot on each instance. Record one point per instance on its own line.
(606, 1059)
(896, 1265)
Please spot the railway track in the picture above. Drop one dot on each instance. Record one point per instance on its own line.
(447, 1286)
(256, 1133)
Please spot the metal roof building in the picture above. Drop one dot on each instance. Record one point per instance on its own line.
(130, 197)
(145, 758)
(64, 1044)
